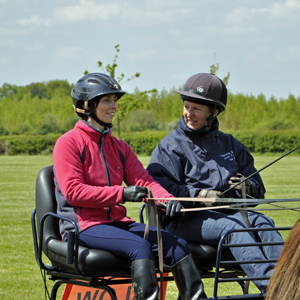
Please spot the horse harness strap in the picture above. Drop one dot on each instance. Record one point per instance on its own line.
(151, 203)
(243, 209)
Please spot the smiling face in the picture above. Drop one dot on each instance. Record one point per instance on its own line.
(195, 115)
(105, 110)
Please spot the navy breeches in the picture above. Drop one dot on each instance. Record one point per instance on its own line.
(127, 241)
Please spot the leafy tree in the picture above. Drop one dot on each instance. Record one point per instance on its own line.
(37, 89)
(111, 69)
(61, 87)
(168, 108)
(128, 102)
(8, 90)
(50, 124)
(43, 108)
(214, 69)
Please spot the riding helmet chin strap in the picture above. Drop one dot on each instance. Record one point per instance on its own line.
(86, 111)
(210, 118)
(109, 125)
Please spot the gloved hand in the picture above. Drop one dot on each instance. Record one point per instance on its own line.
(210, 194)
(173, 208)
(134, 193)
(238, 178)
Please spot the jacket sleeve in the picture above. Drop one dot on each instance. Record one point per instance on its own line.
(136, 174)
(167, 168)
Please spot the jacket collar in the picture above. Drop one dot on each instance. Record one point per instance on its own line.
(94, 133)
(182, 126)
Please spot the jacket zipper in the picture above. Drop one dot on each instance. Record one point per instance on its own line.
(106, 172)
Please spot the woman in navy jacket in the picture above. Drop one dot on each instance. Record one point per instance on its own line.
(198, 160)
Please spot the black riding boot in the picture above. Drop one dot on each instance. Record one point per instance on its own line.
(188, 279)
(144, 280)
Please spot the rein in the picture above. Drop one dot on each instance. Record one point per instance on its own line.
(256, 172)
(159, 238)
(232, 203)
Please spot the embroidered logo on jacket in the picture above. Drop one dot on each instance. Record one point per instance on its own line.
(229, 155)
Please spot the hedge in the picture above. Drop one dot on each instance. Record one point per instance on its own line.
(143, 143)
(28, 144)
(272, 141)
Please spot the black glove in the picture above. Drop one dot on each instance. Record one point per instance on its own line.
(134, 193)
(238, 178)
(210, 194)
(173, 208)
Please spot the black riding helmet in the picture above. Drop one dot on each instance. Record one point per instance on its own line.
(206, 89)
(90, 87)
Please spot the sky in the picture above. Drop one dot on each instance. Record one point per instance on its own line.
(167, 41)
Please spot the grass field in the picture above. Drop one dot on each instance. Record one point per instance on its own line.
(19, 274)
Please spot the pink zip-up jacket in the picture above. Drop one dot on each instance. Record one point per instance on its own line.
(90, 167)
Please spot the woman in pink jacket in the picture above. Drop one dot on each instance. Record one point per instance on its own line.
(89, 166)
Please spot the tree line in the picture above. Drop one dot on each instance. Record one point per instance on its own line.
(46, 107)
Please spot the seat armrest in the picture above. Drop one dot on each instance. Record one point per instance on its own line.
(141, 211)
(72, 251)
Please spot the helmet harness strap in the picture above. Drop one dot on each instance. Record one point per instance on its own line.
(109, 125)
(210, 118)
(87, 112)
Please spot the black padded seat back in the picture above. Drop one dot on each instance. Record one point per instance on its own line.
(45, 202)
(53, 246)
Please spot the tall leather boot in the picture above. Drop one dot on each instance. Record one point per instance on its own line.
(144, 280)
(188, 279)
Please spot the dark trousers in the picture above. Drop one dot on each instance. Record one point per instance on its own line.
(127, 241)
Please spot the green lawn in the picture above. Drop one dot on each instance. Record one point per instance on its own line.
(19, 273)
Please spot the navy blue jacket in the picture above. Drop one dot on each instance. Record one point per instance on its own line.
(188, 160)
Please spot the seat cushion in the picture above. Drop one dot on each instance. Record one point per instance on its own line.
(205, 255)
(90, 261)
